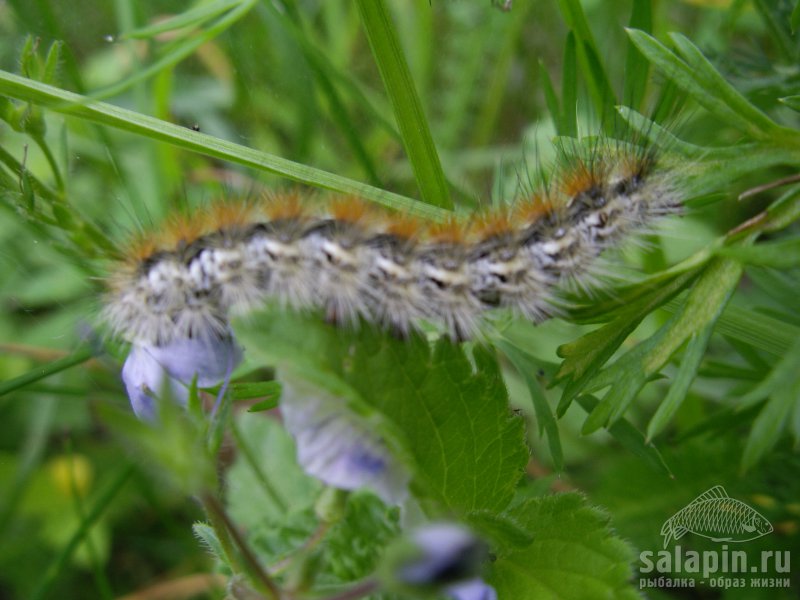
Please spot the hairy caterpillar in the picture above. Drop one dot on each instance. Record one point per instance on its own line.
(357, 262)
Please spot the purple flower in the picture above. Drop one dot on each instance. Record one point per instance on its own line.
(341, 448)
(446, 553)
(439, 558)
(473, 589)
(152, 370)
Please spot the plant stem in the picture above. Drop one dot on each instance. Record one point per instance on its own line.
(357, 591)
(221, 522)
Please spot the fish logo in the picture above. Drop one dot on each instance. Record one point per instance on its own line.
(717, 516)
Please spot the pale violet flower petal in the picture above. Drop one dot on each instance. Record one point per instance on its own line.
(473, 589)
(447, 553)
(149, 368)
(339, 447)
(144, 378)
(212, 359)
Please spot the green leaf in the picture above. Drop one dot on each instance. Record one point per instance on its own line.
(783, 254)
(468, 447)
(792, 102)
(208, 538)
(193, 16)
(782, 376)
(389, 57)
(584, 357)
(452, 419)
(708, 76)
(569, 89)
(771, 421)
(636, 67)
(353, 546)
(694, 74)
(156, 129)
(177, 50)
(769, 424)
(629, 373)
(550, 97)
(760, 331)
(544, 414)
(505, 534)
(695, 351)
(794, 20)
(574, 555)
(630, 438)
(265, 481)
(79, 356)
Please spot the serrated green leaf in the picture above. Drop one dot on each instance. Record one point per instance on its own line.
(453, 420)
(468, 447)
(574, 555)
(354, 545)
(504, 533)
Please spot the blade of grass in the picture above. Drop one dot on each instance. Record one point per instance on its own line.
(599, 84)
(100, 112)
(636, 66)
(76, 358)
(294, 25)
(550, 98)
(794, 20)
(407, 107)
(569, 89)
(193, 16)
(486, 122)
(177, 51)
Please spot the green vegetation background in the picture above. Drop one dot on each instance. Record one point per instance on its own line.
(442, 104)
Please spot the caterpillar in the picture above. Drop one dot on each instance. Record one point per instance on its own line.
(356, 262)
